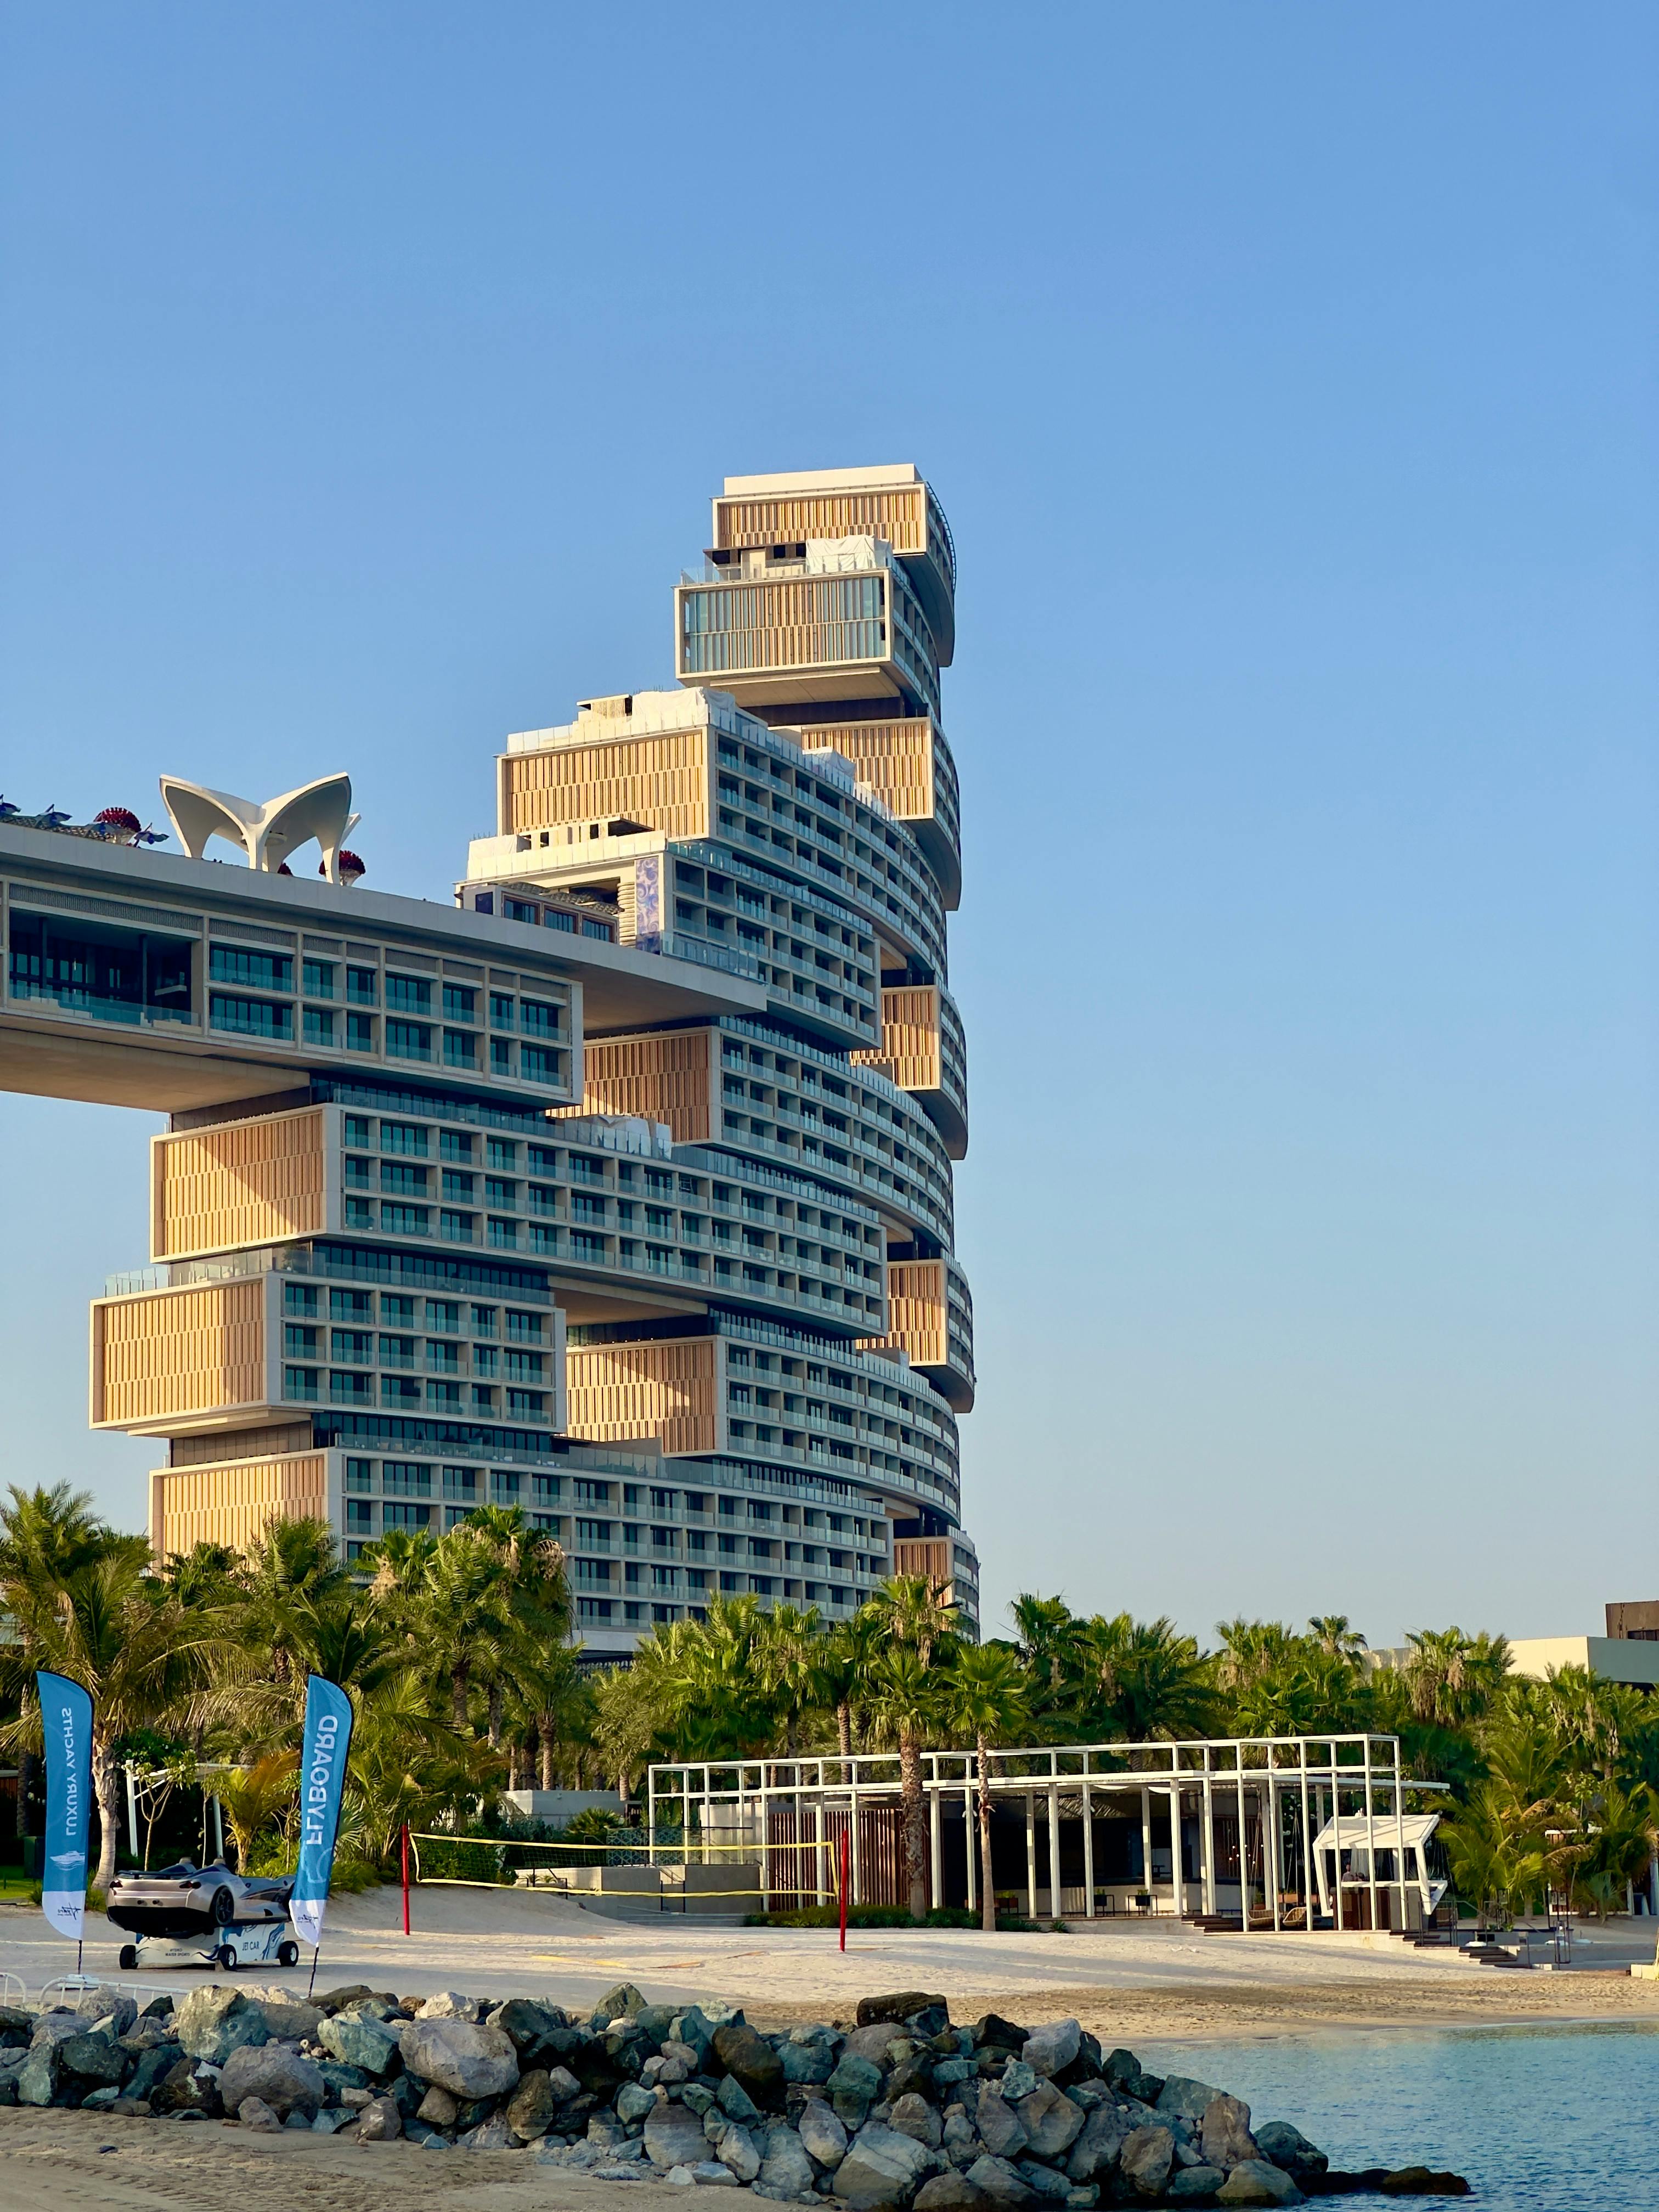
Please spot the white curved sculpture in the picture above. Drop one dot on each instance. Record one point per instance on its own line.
(266, 834)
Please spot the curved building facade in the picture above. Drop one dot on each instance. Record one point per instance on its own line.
(623, 1191)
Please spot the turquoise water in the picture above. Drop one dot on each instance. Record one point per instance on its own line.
(1540, 2119)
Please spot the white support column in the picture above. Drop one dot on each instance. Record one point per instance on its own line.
(132, 1811)
(1030, 1852)
(1055, 1909)
(1243, 1843)
(1088, 1847)
(822, 1892)
(651, 1814)
(1307, 1849)
(1272, 1866)
(853, 1847)
(971, 1830)
(1146, 1847)
(1370, 1830)
(1177, 1873)
(1207, 1815)
(936, 1845)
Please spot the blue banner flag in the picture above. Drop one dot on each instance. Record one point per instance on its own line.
(322, 1785)
(66, 1722)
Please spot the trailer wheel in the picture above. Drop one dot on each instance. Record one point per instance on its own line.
(222, 1905)
(127, 1958)
(225, 1957)
(287, 1955)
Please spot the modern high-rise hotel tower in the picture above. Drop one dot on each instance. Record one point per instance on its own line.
(622, 1193)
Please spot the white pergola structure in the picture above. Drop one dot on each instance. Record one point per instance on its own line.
(1318, 1822)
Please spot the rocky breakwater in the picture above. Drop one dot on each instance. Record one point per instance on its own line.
(902, 2112)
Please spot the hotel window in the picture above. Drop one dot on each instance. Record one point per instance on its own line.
(255, 971)
(537, 1019)
(538, 1064)
(501, 1056)
(401, 1180)
(299, 1342)
(361, 989)
(300, 1299)
(405, 1220)
(501, 1010)
(360, 1474)
(299, 1383)
(319, 1026)
(256, 1017)
(461, 1004)
(462, 1482)
(360, 1032)
(408, 994)
(460, 1048)
(360, 1517)
(317, 979)
(454, 1145)
(408, 1040)
(455, 1228)
(355, 1347)
(406, 1516)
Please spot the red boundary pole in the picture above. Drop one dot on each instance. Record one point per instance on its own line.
(843, 1886)
(403, 1840)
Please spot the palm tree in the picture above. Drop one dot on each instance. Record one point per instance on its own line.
(136, 1651)
(1047, 1635)
(851, 1650)
(791, 1663)
(1336, 1636)
(987, 1691)
(909, 1704)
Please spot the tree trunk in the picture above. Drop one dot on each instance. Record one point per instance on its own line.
(915, 1822)
(106, 1788)
(458, 1689)
(494, 1717)
(25, 1782)
(986, 1884)
(844, 1732)
(544, 1730)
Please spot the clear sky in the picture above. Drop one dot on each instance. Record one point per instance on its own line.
(1287, 372)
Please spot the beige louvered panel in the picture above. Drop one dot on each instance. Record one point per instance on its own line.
(909, 1053)
(235, 1504)
(896, 759)
(899, 515)
(923, 1555)
(664, 1078)
(664, 1391)
(916, 1307)
(179, 1353)
(660, 781)
(248, 1183)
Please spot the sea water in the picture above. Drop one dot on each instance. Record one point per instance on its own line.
(1556, 2118)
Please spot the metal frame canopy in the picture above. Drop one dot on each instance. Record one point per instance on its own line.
(1291, 1797)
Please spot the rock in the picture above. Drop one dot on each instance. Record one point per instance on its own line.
(379, 2121)
(274, 2075)
(674, 2136)
(752, 2060)
(1419, 2181)
(1194, 2185)
(633, 2102)
(1000, 2129)
(622, 2002)
(709, 2174)
(153, 2066)
(1256, 2182)
(996, 2179)
(93, 2058)
(736, 2148)
(1043, 2181)
(992, 2031)
(1051, 2121)
(56, 2027)
(468, 2060)
(915, 2116)
(665, 2073)
(524, 2022)
(356, 2040)
(187, 2087)
(881, 2167)
(114, 2009)
(534, 2105)
(254, 2112)
(947, 2072)
(449, 2004)
(1048, 2050)
(735, 2101)
(950, 2192)
(495, 2134)
(1281, 2144)
(348, 1993)
(1182, 2099)
(1144, 2160)
(786, 2170)
(911, 2077)
(1094, 2153)
(290, 2020)
(853, 2086)
(211, 2023)
(823, 2137)
(1018, 2081)
(812, 2063)
(439, 2107)
(902, 2005)
(332, 2117)
(36, 2078)
(1225, 2133)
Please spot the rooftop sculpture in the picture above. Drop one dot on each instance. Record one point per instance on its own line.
(270, 833)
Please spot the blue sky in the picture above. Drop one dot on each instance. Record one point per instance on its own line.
(1287, 372)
